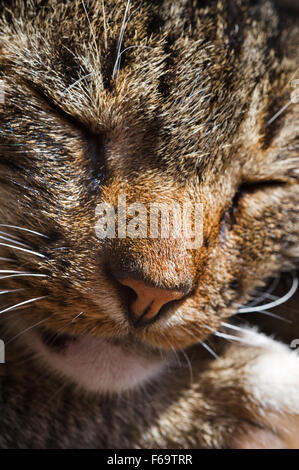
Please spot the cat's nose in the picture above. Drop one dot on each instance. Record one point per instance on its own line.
(148, 301)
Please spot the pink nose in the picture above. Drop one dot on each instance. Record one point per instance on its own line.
(149, 300)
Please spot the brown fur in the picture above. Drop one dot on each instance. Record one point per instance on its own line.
(183, 118)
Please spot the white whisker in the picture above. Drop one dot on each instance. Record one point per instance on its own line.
(22, 275)
(76, 83)
(275, 303)
(230, 337)
(7, 271)
(27, 329)
(9, 235)
(279, 113)
(209, 349)
(77, 316)
(273, 315)
(189, 365)
(206, 346)
(270, 296)
(9, 291)
(237, 328)
(14, 307)
(226, 336)
(134, 47)
(263, 295)
(92, 33)
(176, 355)
(120, 39)
(13, 241)
(105, 25)
(174, 351)
(23, 249)
(24, 230)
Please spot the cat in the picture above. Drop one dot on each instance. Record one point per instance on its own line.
(154, 102)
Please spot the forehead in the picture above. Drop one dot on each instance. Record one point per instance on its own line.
(158, 81)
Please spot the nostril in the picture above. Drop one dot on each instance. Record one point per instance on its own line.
(147, 302)
(129, 293)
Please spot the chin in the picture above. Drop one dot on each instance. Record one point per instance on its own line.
(95, 364)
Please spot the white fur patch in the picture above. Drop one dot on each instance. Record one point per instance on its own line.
(273, 378)
(99, 366)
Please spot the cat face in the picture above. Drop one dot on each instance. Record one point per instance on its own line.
(154, 104)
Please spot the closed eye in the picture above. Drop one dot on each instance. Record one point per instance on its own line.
(254, 187)
(228, 218)
(95, 141)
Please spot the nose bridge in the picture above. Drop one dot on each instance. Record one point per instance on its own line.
(164, 264)
(171, 219)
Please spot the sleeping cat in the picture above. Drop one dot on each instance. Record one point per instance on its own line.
(120, 341)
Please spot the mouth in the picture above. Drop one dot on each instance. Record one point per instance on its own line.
(98, 364)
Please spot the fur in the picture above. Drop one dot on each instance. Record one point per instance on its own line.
(162, 101)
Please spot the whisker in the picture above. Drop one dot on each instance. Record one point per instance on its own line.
(24, 230)
(270, 296)
(105, 25)
(12, 241)
(134, 47)
(9, 260)
(7, 271)
(285, 306)
(120, 39)
(189, 365)
(23, 249)
(209, 349)
(9, 291)
(279, 113)
(279, 301)
(9, 235)
(27, 329)
(263, 295)
(23, 275)
(273, 315)
(77, 316)
(234, 327)
(92, 33)
(13, 307)
(230, 337)
(226, 336)
(204, 345)
(174, 351)
(76, 83)
(176, 355)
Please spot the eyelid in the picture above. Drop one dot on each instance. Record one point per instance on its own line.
(56, 108)
(253, 187)
(260, 185)
(246, 188)
(96, 140)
